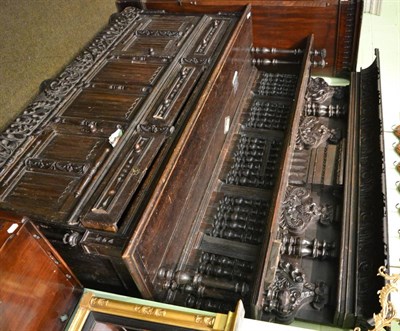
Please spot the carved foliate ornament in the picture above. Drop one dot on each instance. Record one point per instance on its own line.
(299, 210)
(312, 133)
(318, 91)
(290, 292)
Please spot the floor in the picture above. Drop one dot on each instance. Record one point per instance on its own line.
(65, 33)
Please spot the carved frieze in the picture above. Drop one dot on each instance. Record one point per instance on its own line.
(290, 292)
(198, 61)
(152, 128)
(159, 33)
(61, 166)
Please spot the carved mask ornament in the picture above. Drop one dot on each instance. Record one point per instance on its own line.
(290, 292)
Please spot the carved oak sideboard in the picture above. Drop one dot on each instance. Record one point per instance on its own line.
(174, 160)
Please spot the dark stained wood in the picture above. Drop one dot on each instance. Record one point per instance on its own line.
(38, 290)
(174, 161)
(283, 24)
(192, 163)
(140, 79)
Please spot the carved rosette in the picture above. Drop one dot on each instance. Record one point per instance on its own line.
(299, 210)
(290, 292)
(30, 121)
(312, 133)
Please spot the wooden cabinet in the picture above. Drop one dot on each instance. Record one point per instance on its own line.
(336, 25)
(174, 160)
(84, 157)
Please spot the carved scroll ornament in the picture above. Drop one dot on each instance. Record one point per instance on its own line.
(33, 117)
(318, 91)
(290, 292)
(388, 313)
(299, 210)
(312, 133)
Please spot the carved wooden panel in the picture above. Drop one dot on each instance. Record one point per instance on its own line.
(173, 207)
(166, 158)
(84, 158)
(132, 98)
(218, 265)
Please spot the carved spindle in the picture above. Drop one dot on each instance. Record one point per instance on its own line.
(208, 304)
(273, 50)
(228, 285)
(226, 261)
(245, 237)
(321, 63)
(321, 53)
(331, 111)
(301, 247)
(245, 224)
(223, 271)
(267, 62)
(201, 285)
